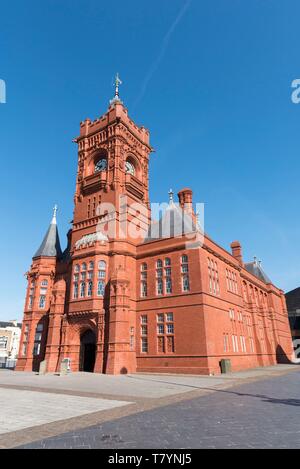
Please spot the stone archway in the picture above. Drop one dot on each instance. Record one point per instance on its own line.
(87, 351)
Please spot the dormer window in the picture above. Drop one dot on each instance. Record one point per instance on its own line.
(129, 168)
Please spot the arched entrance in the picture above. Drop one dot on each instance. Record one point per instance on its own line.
(87, 351)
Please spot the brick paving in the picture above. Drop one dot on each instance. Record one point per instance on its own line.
(261, 414)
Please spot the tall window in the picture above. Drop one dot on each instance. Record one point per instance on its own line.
(25, 340)
(185, 281)
(144, 334)
(101, 288)
(75, 290)
(165, 332)
(213, 277)
(90, 288)
(83, 267)
(30, 297)
(82, 289)
(168, 275)
(159, 277)
(131, 338)
(231, 281)
(101, 269)
(144, 279)
(101, 278)
(42, 300)
(38, 339)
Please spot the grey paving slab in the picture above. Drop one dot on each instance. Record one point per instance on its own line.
(136, 385)
(22, 409)
(260, 414)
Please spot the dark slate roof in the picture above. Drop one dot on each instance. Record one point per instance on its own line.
(256, 269)
(174, 222)
(50, 246)
(293, 299)
(66, 255)
(9, 324)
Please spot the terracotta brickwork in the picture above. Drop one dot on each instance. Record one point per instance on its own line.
(120, 304)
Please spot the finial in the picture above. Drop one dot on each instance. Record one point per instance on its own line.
(171, 193)
(255, 260)
(259, 263)
(55, 208)
(117, 83)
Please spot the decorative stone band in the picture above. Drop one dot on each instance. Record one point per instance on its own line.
(88, 240)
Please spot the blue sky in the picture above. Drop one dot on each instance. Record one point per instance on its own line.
(211, 79)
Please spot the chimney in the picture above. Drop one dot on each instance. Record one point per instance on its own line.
(236, 250)
(185, 197)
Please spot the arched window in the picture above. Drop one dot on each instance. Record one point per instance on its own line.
(144, 266)
(159, 263)
(101, 269)
(167, 261)
(83, 267)
(129, 168)
(76, 268)
(102, 265)
(91, 265)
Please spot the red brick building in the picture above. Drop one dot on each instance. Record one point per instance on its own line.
(161, 298)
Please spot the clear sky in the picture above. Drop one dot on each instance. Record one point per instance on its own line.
(211, 79)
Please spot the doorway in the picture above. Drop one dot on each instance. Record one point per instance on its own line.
(87, 351)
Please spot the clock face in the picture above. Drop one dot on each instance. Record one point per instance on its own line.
(101, 165)
(129, 168)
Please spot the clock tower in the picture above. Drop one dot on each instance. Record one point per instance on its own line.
(111, 216)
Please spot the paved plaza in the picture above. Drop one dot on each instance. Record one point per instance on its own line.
(254, 408)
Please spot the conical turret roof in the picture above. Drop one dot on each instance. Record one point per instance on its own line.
(50, 246)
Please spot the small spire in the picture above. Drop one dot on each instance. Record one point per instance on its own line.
(171, 193)
(255, 260)
(55, 208)
(117, 83)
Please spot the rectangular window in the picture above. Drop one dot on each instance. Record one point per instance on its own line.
(101, 274)
(3, 341)
(160, 317)
(100, 288)
(170, 344)
(90, 289)
(159, 286)
(24, 349)
(36, 348)
(185, 283)
(42, 301)
(170, 328)
(144, 330)
(169, 317)
(132, 342)
(160, 329)
(143, 288)
(168, 285)
(75, 290)
(144, 344)
(82, 290)
(161, 344)
(144, 319)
